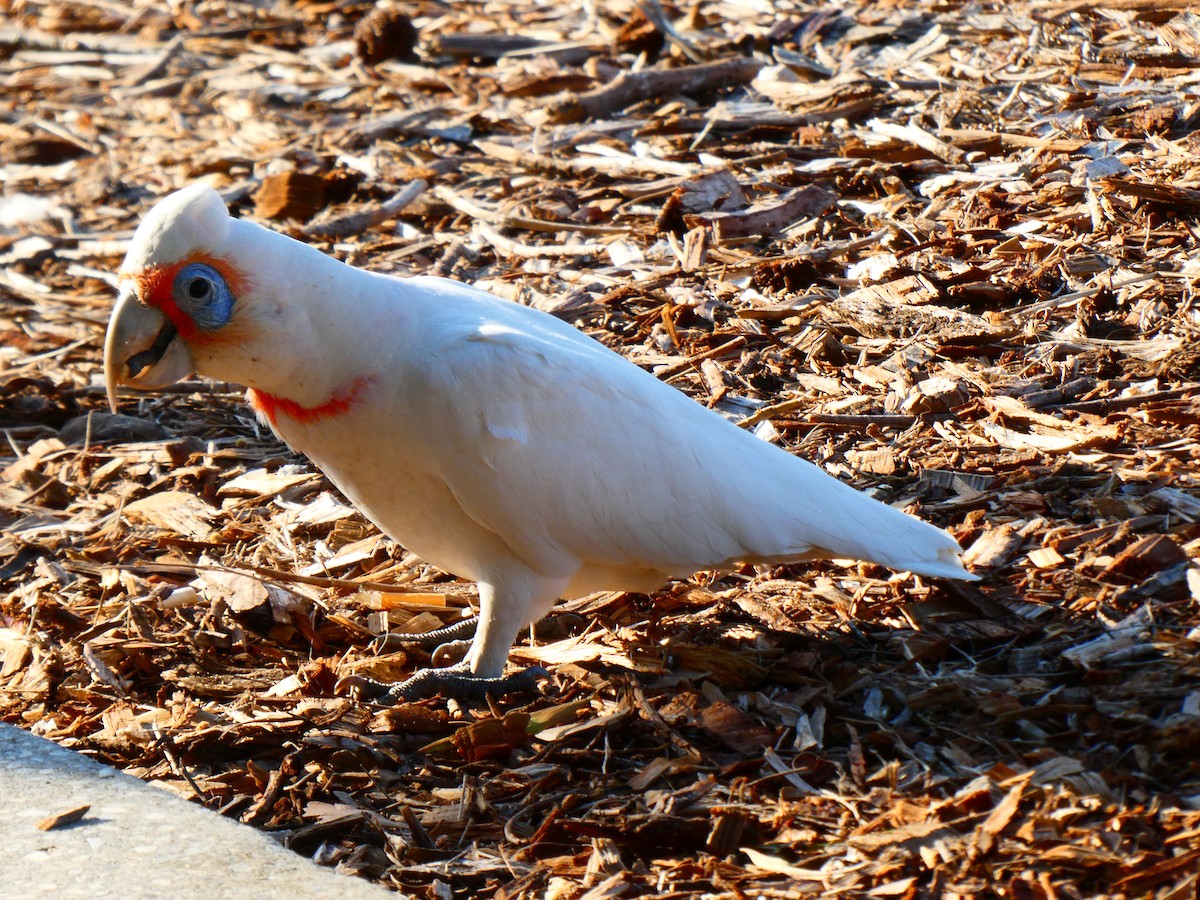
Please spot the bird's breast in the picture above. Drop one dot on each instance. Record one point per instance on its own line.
(372, 455)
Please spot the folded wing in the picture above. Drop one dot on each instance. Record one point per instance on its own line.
(577, 458)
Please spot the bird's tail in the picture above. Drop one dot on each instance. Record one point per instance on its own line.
(883, 534)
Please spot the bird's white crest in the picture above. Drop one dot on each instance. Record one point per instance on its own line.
(191, 220)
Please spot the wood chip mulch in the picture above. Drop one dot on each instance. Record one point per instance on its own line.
(947, 250)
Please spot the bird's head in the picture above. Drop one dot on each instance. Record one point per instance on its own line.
(183, 295)
(201, 291)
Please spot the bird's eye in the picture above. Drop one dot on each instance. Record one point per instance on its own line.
(199, 288)
(202, 294)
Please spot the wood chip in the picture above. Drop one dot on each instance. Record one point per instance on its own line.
(175, 511)
(766, 218)
(63, 819)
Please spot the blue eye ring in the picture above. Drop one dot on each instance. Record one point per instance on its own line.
(201, 293)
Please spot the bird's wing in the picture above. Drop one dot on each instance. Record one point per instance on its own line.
(573, 456)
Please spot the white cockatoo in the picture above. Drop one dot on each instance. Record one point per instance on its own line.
(492, 440)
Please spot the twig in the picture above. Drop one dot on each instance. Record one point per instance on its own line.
(1067, 299)
(657, 17)
(533, 251)
(169, 750)
(612, 166)
(357, 223)
(918, 137)
(632, 87)
(183, 568)
(498, 46)
(469, 207)
(676, 368)
(843, 419)
(1112, 404)
(157, 66)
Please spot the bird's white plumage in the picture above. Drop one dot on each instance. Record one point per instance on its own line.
(191, 220)
(506, 446)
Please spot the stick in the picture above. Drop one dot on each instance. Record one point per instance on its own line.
(533, 251)
(657, 17)
(794, 206)
(676, 368)
(469, 207)
(357, 223)
(632, 87)
(919, 137)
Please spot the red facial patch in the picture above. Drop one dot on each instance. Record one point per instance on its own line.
(155, 286)
(271, 407)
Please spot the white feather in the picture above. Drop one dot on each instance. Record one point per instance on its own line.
(503, 445)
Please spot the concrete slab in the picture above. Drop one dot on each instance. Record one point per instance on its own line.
(136, 841)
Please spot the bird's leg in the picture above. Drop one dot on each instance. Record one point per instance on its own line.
(481, 673)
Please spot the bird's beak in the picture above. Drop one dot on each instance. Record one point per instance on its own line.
(142, 348)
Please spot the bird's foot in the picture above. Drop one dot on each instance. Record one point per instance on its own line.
(449, 676)
(457, 682)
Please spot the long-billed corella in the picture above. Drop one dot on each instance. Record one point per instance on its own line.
(492, 440)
